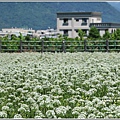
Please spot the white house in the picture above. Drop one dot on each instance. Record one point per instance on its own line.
(68, 23)
(17, 31)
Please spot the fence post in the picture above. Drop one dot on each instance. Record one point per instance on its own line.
(107, 46)
(42, 49)
(20, 45)
(85, 45)
(0, 46)
(63, 46)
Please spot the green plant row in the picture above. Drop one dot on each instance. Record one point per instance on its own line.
(59, 46)
(92, 42)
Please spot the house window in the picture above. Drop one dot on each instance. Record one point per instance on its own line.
(77, 20)
(29, 31)
(113, 30)
(84, 21)
(65, 21)
(76, 31)
(65, 32)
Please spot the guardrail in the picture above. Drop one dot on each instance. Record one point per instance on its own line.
(60, 46)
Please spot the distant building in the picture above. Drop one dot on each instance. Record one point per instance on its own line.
(2, 34)
(48, 33)
(17, 31)
(68, 23)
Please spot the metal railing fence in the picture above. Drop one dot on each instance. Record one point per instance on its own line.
(60, 46)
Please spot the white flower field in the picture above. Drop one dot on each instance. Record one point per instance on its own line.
(60, 85)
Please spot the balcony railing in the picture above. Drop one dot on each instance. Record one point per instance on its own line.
(65, 34)
(105, 25)
(65, 24)
(83, 24)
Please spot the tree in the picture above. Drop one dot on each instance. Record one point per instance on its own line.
(27, 38)
(14, 37)
(106, 35)
(60, 37)
(117, 34)
(5, 37)
(21, 37)
(112, 36)
(94, 33)
(81, 34)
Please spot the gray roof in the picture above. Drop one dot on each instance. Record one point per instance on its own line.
(78, 14)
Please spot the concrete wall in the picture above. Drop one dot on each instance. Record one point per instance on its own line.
(95, 20)
(102, 32)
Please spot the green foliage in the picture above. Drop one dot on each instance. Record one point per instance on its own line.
(112, 36)
(106, 36)
(94, 33)
(5, 37)
(14, 37)
(27, 38)
(35, 38)
(117, 34)
(81, 34)
(77, 38)
(56, 44)
(21, 37)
